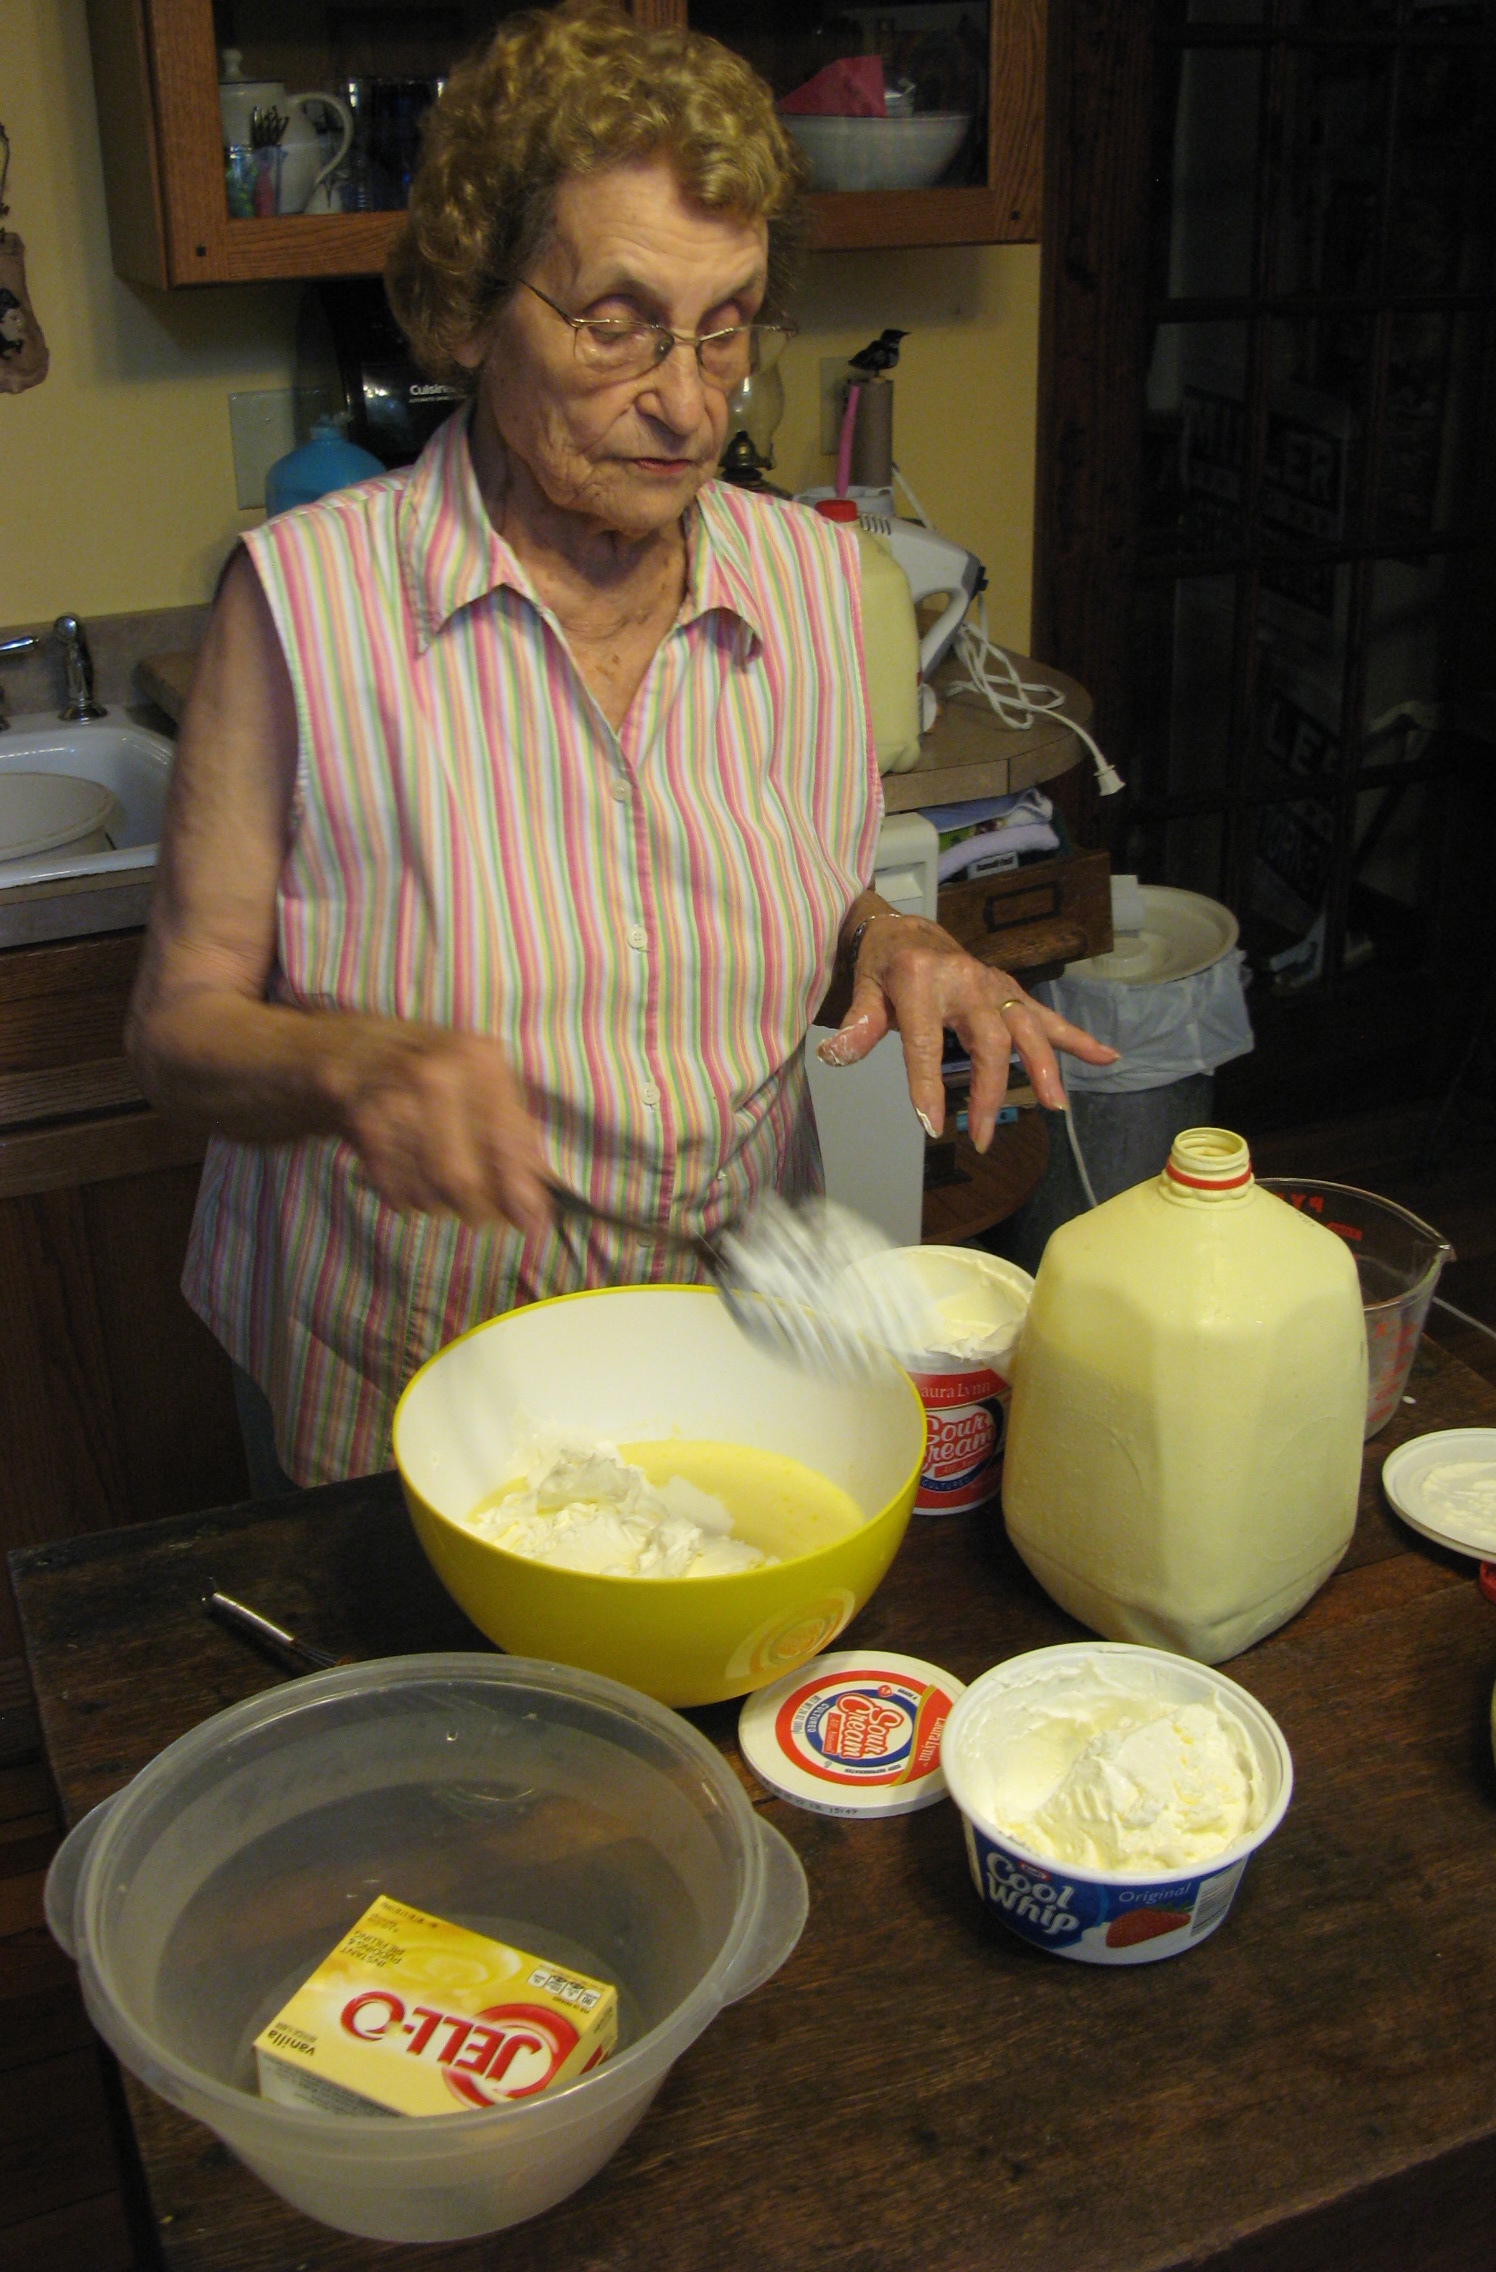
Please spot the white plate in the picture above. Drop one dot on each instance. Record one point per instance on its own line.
(1182, 932)
(1410, 1478)
(39, 811)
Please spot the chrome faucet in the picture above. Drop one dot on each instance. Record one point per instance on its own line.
(22, 646)
(74, 641)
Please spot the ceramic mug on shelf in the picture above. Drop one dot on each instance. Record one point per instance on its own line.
(305, 170)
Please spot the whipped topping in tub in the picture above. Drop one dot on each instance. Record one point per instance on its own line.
(1122, 1784)
(1101, 1768)
(1112, 1795)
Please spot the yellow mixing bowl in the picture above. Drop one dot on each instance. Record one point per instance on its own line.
(635, 1364)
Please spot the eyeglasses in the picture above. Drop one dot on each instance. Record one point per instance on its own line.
(616, 347)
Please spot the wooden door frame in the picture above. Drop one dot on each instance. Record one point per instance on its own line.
(1092, 318)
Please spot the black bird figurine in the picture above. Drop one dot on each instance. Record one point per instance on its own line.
(881, 356)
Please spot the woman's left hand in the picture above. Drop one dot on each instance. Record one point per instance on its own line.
(915, 979)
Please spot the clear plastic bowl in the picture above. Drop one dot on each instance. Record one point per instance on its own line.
(1398, 1261)
(545, 1807)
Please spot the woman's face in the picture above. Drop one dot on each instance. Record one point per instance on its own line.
(624, 455)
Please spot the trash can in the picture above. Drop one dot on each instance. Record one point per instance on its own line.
(1171, 997)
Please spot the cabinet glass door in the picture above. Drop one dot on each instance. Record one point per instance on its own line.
(322, 100)
(899, 91)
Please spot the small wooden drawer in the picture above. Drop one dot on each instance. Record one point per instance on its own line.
(1035, 917)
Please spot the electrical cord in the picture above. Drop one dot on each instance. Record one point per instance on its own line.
(1074, 1141)
(1464, 1317)
(1019, 703)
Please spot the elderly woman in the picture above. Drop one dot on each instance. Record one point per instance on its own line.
(525, 800)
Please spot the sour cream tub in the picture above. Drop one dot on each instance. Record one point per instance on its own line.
(966, 1388)
(1101, 1916)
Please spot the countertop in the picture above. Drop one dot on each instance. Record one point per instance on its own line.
(967, 752)
(1313, 2088)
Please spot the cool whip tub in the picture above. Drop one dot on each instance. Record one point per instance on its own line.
(975, 1305)
(1111, 1796)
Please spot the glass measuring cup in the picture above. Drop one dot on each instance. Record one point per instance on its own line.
(1398, 1260)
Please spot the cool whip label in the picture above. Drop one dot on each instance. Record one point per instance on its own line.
(1104, 1924)
(411, 2015)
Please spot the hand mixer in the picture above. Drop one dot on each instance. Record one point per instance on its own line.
(790, 1280)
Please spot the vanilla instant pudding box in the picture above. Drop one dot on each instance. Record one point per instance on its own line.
(409, 2015)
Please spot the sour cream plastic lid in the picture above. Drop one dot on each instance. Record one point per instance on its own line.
(857, 1733)
(1444, 1485)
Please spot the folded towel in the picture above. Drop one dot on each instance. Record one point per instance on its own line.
(991, 832)
(977, 809)
(999, 847)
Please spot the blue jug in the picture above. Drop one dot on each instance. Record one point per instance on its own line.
(327, 460)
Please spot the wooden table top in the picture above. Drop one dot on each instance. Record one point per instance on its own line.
(917, 2090)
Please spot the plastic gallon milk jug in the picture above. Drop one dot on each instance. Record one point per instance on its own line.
(890, 643)
(1189, 1396)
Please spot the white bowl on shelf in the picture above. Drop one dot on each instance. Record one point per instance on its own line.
(879, 153)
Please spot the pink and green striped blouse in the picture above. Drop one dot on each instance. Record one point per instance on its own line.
(646, 921)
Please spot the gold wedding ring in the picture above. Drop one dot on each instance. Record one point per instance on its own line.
(1014, 1002)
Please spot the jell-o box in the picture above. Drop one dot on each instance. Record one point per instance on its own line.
(411, 2015)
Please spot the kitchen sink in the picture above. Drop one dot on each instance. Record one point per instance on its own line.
(129, 760)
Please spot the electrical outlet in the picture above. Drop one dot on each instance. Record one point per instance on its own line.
(262, 427)
(833, 401)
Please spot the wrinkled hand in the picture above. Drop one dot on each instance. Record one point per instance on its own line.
(915, 979)
(441, 1125)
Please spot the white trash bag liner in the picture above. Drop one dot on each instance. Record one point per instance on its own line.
(1165, 1030)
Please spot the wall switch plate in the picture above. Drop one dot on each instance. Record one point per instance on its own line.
(833, 401)
(262, 427)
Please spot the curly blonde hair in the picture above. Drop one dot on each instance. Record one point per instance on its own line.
(562, 92)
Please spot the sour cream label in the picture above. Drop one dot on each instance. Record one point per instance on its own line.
(852, 1734)
(967, 1417)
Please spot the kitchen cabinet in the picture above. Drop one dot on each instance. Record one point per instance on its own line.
(116, 1404)
(156, 84)
(1031, 921)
